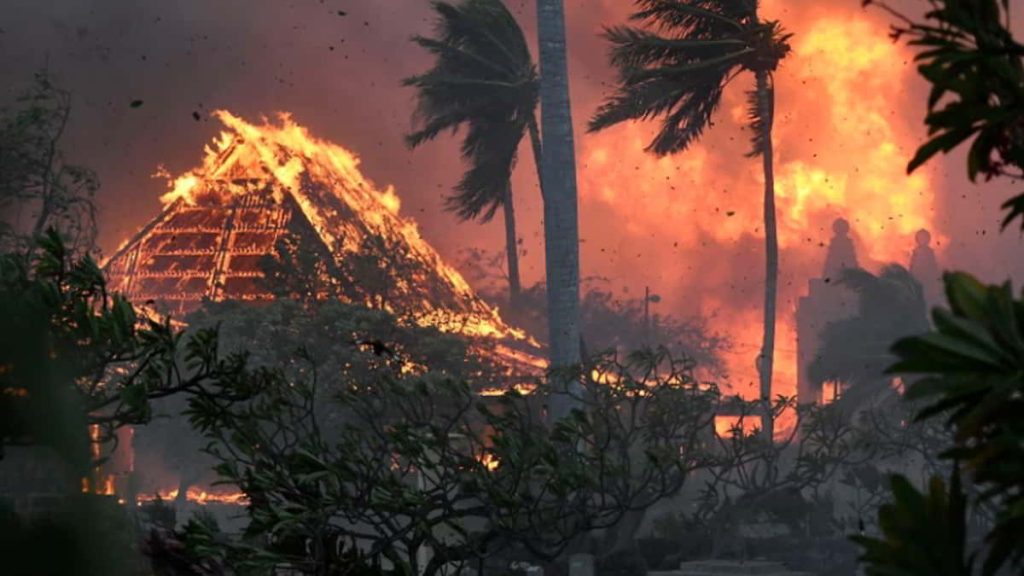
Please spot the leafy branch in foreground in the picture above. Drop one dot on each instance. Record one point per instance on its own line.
(924, 533)
(428, 475)
(970, 371)
(976, 70)
(73, 355)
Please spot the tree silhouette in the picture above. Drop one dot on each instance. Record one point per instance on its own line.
(856, 351)
(679, 73)
(485, 80)
(38, 188)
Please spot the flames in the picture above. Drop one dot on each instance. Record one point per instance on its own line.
(489, 461)
(295, 162)
(196, 496)
(691, 224)
(99, 481)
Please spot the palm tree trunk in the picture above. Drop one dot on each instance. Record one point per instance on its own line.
(766, 100)
(561, 228)
(512, 249)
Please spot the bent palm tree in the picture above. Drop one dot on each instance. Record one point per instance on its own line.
(678, 73)
(857, 351)
(485, 80)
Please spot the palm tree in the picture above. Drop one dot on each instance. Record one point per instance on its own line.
(561, 226)
(485, 80)
(857, 351)
(678, 73)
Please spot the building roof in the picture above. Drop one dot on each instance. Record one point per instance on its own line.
(272, 192)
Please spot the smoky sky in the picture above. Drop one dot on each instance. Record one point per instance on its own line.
(337, 66)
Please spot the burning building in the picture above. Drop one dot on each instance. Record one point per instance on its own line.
(274, 211)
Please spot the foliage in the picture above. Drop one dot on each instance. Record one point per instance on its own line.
(751, 480)
(369, 274)
(971, 366)
(88, 535)
(855, 351)
(976, 71)
(795, 493)
(923, 533)
(294, 271)
(38, 188)
(608, 321)
(338, 340)
(680, 73)
(430, 464)
(73, 354)
(483, 79)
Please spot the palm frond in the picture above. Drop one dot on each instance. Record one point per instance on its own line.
(678, 71)
(760, 104)
(483, 81)
(696, 16)
(636, 47)
(464, 58)
(685, 97)
(490, 150)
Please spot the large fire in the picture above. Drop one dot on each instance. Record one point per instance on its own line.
(343, 207)
(842, 143)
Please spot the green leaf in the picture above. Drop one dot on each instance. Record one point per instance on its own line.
(942, 143)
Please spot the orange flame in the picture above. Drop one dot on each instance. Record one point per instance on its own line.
(489, 461)
(841, 151)
(197, 496)
(98, 482)
(286, 154)
(727, 426)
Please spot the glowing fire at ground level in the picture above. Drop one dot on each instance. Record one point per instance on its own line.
(196, 496)
(841, 153)
(690, 225)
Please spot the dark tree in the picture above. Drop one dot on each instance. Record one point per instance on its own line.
(483, 80)
(38, 188)
(856, 351)
(429, 476)
(678, 73)
(976, 70)
(969, 366)
(74, 354)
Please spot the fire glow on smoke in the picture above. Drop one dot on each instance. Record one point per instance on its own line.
(691, 224)
(295, 162)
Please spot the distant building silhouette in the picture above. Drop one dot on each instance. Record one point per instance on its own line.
(925, 268)
(826, 301)
(841, 253)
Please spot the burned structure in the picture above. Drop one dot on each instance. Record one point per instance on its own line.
(275, 212)
(264, 190)
(826, 301)
(894, 309)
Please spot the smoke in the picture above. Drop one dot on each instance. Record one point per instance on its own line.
(848, 117)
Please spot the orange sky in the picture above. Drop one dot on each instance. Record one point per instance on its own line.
(849, 112)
